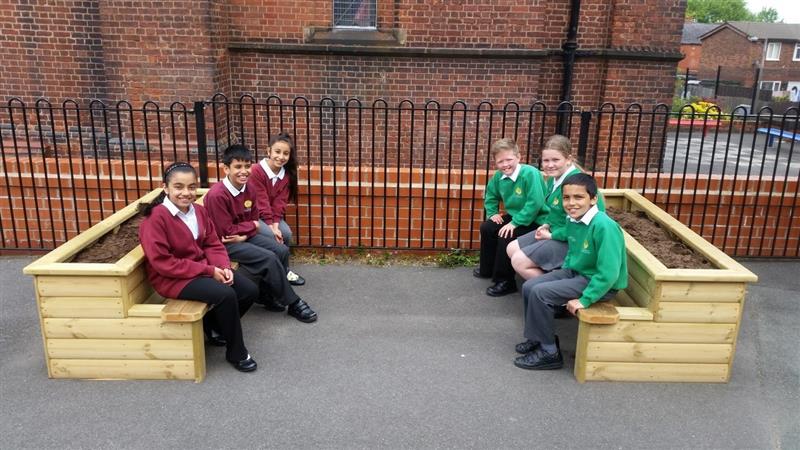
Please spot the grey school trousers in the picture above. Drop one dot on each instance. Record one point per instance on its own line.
(541, 295)
(256, 256)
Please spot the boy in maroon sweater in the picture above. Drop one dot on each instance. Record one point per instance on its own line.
(232, 207)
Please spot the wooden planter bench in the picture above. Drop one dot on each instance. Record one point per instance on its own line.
(673, 324)
(104, 321)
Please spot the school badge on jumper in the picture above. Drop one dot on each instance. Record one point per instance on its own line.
(248, 203)
(585, 245)
(518, 190)
(555, 202)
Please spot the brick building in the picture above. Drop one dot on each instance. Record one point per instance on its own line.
(691, 45)
(741, 47)
(187, 50)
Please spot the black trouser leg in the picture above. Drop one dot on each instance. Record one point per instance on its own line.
(227, 303)
(489, 237)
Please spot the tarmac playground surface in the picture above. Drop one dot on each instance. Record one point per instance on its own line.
(405, 357)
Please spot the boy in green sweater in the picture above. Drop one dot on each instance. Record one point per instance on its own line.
(594, 269)
(521, 189)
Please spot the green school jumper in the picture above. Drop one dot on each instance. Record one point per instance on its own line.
(523, 199)
(597, 251)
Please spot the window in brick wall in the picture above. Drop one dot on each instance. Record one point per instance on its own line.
(770, 85)
(774, 51)
(796, 55)
(354, 14)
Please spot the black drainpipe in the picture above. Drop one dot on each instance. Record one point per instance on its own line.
(569, 47)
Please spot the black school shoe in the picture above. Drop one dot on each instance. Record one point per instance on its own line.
(295, 279)
(476, 272)
(302, 312)
(540, 360)
(216, 340)
(246, 365)
(529, 346)
(502, 288)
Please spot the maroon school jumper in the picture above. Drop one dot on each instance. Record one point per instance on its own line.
(174, 257)
(270, 200)
(232, 215)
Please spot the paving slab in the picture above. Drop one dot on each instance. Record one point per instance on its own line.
(404, 357)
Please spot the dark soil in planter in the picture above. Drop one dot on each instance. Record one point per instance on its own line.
(672, 253)
(113, 246)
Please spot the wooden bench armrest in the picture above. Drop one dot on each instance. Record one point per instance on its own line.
(600, 313)
(183, 310)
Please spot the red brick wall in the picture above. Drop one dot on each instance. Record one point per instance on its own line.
(731, 50)
(51, 49)
(178, 50)
(692, 58)
(350, 208)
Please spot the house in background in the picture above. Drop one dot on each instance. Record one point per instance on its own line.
(741, 47)
(691, 45)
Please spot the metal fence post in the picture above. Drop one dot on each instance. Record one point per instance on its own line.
(583, 137)
(202, 150)
(716, 81)
(686, 83)
(755, 90)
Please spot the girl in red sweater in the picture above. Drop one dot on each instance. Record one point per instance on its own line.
(274, 181)
(186, 260)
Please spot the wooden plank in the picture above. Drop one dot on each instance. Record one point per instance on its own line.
(97, 307)
(659, 372)
(623, 299)
(722, 275)
(580, 352)
(183, 311)
(129, 328)
(136, 277)
(639, 294)
(154, 299)
(79, 286)
(696, 291)
(41, 323)
(122, 369)
(145, 310)
(634, 313)
(599, 313)
(140, 293)
(697, 312)
(198, 351)
(664, 353)
(78, 269)
(630, 331)
(119, 348)
(641, 275)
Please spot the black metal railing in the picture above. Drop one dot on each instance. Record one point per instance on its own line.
(401, 176)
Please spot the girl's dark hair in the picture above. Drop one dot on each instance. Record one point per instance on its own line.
(291, 165)
(183, 167)
(582, 179)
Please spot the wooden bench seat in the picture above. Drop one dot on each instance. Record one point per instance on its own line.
(174, 311)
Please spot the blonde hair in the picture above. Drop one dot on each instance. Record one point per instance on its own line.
(560, 144)
(503, 145)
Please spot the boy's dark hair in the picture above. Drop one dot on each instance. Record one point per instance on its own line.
(236, 151)
(291, 165)
(582, 179)
(177, 167)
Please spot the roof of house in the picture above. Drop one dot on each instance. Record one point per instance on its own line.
(693, 30)
(760, 30)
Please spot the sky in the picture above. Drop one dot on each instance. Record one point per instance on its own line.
(788, 10)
